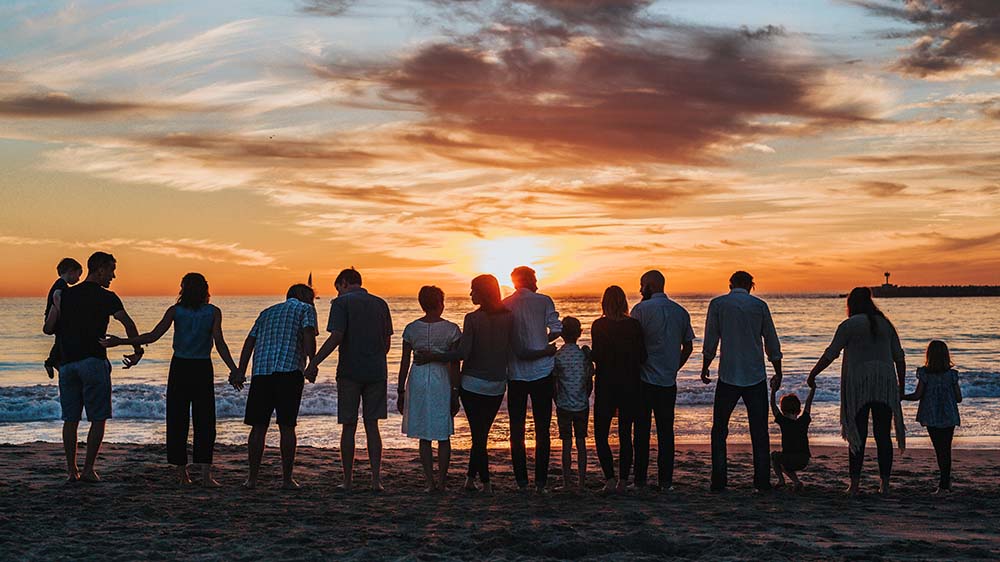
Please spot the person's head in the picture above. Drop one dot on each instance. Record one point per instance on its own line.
(347, 279)
(790, 405)
(431, 300)
(70, 270)
(741, 280)
(194, 291)
(486, 293)
(302, 293)
(571, 329)
(523, 277)
(938, 358)
(652, 282)
(101, 268)
(859, 301)
(614, 305)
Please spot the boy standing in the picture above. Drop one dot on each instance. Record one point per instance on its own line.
(69, 271)
(574, 383)
(794, 453)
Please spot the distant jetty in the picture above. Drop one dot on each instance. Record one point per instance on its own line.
(889, 291)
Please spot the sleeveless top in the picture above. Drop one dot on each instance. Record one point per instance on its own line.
(193, 331)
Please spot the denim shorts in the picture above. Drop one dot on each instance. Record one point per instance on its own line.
(85, 384)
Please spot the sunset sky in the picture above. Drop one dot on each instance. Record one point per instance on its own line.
(816, 143)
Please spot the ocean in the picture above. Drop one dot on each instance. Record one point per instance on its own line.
(29, 401)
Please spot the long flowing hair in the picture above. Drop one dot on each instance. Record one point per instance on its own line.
(488, 289)
(194, 291)
(938, 359)
(860, 302)
(614, 304)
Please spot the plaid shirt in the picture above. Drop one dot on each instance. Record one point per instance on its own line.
(278, 348)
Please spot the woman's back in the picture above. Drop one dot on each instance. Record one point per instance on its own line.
(854, 337)
(486, 344)
(193, 331)
(618, 350)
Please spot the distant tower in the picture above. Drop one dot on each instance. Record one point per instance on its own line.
(886, 278)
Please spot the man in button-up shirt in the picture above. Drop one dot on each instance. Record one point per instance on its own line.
(667, 329)
(743, 323)
(536, 324)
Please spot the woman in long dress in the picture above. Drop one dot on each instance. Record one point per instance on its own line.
(426, 393)
(872, 382)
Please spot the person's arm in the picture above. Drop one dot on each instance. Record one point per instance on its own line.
(687, 347)
(404, 370)
(552, 322)
(220, 343)
(238, 378)
(126, 321)
(52, 319)
(916, 394)
(710, 346)
(337, 325)
(809, 401)
(149, 337)
(832, 352)
(774, 403)
(308, 337)
(772, 346)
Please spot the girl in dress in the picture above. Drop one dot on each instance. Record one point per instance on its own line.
(939, 394)
(428, 393)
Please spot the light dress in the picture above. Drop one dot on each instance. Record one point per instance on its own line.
(427, 404)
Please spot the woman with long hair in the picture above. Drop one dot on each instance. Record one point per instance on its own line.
(872, 382)
(190, 383)
(619, 350)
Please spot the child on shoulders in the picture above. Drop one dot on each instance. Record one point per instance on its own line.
(794, 454)
(939, 394)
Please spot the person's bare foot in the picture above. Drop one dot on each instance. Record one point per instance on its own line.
(488, 488)
(377, 486)
(90, 476)
(290, 484)
(250, 484)
(542, 490)
(443, 484)
(344, 487)
(779, 485)
(206, 478)
(183, 478)
(470, 485)
(939, 491)
(73, 477)
(798, 487)
(610, 486)
(853, 490)
(883, 488)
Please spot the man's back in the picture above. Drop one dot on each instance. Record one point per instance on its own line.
(83, 320)
(535, 317)
(366, 323)
(666, 326)
(744, 325)
(277, 331)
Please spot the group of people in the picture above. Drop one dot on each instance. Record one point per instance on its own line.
(505, 347)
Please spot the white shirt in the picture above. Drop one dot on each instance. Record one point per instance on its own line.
(667, 326)
(742, 322)
(535, 317)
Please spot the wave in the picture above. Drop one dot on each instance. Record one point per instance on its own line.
(148, 401)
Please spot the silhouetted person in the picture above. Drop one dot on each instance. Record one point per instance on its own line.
(619, 350)
(361, 326)
(69, 271)
(574, 378)
(191, 381)
(536, 324)
(79, 319)
(282, 338)
(743, 323)
(872, 382)
(667, 329)
(793, 419)
(939, 394)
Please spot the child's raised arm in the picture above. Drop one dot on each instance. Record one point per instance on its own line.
(809, 400)
(774, 404)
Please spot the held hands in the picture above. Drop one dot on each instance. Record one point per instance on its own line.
(775, 383)
(111, 341)
(133, 359)
(400, 398)
(237, 379)
(705, 375)
(455, 405)
(311, 372)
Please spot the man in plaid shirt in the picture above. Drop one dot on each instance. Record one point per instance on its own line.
(281, 340)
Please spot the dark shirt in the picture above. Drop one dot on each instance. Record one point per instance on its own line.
(488, 340)
(619, 350)
(794, 434)
(83, 321)
(365, 321)
(59, 285)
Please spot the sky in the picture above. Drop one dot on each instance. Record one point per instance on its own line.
(815, 143)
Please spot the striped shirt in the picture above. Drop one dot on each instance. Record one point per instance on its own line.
(278, 329)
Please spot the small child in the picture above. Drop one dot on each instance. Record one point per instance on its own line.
(939, 394)
(794, 454)
(574, 382)
(69, 271)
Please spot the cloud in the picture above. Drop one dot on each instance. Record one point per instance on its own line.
(327, 8)
(955, 36)
(204, 250)
(61, 105)
(881, 188)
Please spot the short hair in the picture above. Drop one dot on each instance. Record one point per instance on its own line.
(571, 329)
(742, 279)
(100, 260)
(301, 292)
(655, 279)
(348, 276)
(68, 264)
(523, 275)
(430, 297)
(938, 358)
(790, 404)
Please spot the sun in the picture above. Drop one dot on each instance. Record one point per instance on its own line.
(498, 256)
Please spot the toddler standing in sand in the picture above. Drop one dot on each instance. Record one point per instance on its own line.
(69, 271)
(794, 454)
(939, 394)
(574, 381)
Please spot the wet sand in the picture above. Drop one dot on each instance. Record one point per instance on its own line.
(139, 513)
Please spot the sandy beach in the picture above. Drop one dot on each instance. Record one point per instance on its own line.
(138, 512)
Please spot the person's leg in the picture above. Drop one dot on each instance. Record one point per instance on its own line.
(776, 465)
(756, 401)
(71, 404)
(444, 463)
(942, 438)
(348, 402)
(347, 436)
(625, 449)
(602, 430)
(726, 397)
(96, 379)
(490, 415)
(580, 432)
(541, 410)
(643, 427)
(567, 460)
(178, 418)
(664, 403)
(203, 418)
(857, 459)
(289, 442)
(427, 463)
(94, 438)
(517, 408)
(69, 436)
(474, 414)
(374, 438)
(255, 452)
(882, 430)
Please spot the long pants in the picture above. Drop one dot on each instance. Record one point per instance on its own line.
(656, 401)
(607, 402)
(190, 395)
(480, 410)
(941, 438)
(881, 415)
(755, 399)
(541, 392)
